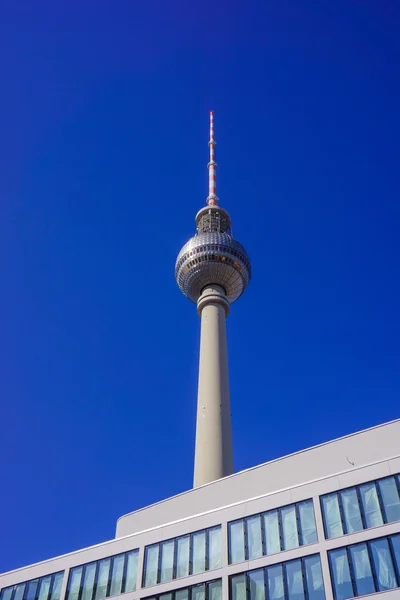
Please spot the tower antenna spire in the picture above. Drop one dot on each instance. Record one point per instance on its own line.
(212, 199)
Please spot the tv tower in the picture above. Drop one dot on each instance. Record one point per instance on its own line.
(213, 270)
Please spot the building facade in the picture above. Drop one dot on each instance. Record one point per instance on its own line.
(319, 524)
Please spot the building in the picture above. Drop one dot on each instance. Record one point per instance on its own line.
(321, 523)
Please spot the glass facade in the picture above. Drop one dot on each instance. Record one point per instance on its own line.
(102, 578)
(273, 531)
(361, 507)
(186, 555)
(212, 590)
(365, 568)
(43, 588)
(299, 579)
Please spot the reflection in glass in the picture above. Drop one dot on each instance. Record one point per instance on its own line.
(275, 583)
(214, 590)
(390, 498)
(254, 539)
(74, 583)
(331, 512)
(236, 542)
(370, 502)
(289, 527)
(199, 552)
(182, 556)
(214, 548)
(314, 579)
(198, 592)
(31, 589)
(151, 566)
(340, 571)
(88, 581)
(117, 572)
(307, 522)
(256, 585)
(383, 565)
(167, 561)
(19, 591)
(182, 594)
(294, 580)
(57, 585)
(6, 593)
(131, 571)
(238, 587)
(44, 587)
(272, 536)
(351, 510)
(102, 579)
(395, 540)
(362, 569)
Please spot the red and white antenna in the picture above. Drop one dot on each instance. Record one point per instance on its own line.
(212, 199)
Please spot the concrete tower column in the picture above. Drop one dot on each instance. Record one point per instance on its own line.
(213, 454)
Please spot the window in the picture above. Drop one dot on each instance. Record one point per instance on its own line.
(270, 532)
(103, 578)
(292, 580)
(365, 568)
(187, 555)
(43, 588)
(212, 590)
(361, 507)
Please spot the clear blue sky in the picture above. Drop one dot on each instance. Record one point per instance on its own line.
(103, 153)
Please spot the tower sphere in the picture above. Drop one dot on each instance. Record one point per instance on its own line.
(213, 257)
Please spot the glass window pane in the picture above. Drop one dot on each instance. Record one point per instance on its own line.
(351, 510)
(383, 565)
(215, 548)
(88, 581)
(167, 560)
(199, 552)
(151, 565)
(182, 556)
(44, 587)
(6, 593)
(362, 569)
(390, 498)
(289, 527)
(271, 528)
(74, 583)
(254, 537)
(331, 514)
(131, 571)
(236, 541)
(32, 589)
(117, 573)
(275, 583)
(307, 522)
(395, 539)
(340, 571)
(256, 585)
(57, 585)
(182, 594)
(214, 590)
(198, 592)
(165, 596)
(238, 587)
(370, 503)
(102, 579)
(314, 579)
(19, 591)
(294, 580)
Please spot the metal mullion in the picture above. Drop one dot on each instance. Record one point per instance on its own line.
(206, 550)
(175, 559)
(372, 564)
(263, 536)
(340, 504)
(52, 585)
(303, 574)
(284, 579)
(380, 501)
(159, 563)
(191, 554)
(96, 576)
(280, 527)
(393, 557)
(266, 595)
(361, 507)
(245, 539)
(298, 524)
(351, 568)
(123, 583)
(110, 574)
(397, 482)
(247, 585)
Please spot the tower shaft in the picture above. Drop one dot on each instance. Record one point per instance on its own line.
(213, 454)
